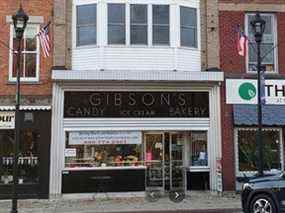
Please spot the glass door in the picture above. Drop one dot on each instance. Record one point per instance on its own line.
(177, 173)
(154, 160)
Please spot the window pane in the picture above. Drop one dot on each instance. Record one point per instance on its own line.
(86, 35)
(138, 14)
(161, 35)
(138, 34)
(160, 14)
(86, 24)
(31, 44)
(14, 71)
(188, 16)
(247, 150)
(30, 66)
(266, 49)
(199, 147)
(116, 13)
(116, 24)
(86, 14)
(116, 34)
(188, 37)
(103, 155)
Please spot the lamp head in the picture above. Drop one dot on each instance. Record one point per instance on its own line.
(258, 27)
(20, 20)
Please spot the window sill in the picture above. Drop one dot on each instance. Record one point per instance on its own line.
(103, 168)
(188, 48)
(24, 82)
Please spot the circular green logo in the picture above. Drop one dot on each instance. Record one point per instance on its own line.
(247, 91)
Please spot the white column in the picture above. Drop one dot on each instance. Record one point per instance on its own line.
(214, 135)
(57, 142)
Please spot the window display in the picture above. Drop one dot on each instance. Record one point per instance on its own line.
(199, 149)
(103, 149)
(247, 149)
(28, 162)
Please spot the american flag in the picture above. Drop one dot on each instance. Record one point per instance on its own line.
(242, 43)
(45, 40)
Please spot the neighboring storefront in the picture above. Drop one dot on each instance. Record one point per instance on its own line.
(33, 163)
(246, 156)
(134, 136)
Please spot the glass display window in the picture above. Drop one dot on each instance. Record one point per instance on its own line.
(103, 149)
(28, 160)
(246, 147)
(198, 149)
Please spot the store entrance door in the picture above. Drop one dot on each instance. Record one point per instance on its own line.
(164, 161)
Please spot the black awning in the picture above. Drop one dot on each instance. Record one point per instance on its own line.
(272, 115)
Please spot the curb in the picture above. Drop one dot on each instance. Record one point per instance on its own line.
(225, 210)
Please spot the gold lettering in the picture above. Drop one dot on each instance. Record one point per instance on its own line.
(132, 101)
(95, 99)
(118, 99)
(165, 99)
(181, 100)
(152, 99)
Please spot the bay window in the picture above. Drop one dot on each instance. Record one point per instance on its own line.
(268, 45)
(86, 24)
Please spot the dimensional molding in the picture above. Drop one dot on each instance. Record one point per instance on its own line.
(251, 7)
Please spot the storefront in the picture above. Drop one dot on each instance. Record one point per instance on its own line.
(246, 156)
(33, 163)
(132, 136)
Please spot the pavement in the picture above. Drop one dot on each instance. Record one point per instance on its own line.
(194, 202)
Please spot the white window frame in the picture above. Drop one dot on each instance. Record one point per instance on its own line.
(102, 23)
(274, 24)
(197, 27)
(24, 79)
(251, 173)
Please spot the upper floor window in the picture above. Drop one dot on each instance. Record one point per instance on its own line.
(268, 50)
(30, 57)
(160, 29)
(138, 22)
(188, 27)
(86, 24)
(116, 24)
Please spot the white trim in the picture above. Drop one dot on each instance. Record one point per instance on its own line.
(250, 173)
(26, 107)
(37, 52)
(274, 31)
(126, 75)
(32, 19)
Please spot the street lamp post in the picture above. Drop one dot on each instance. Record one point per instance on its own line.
(258, 26)
(20, 20)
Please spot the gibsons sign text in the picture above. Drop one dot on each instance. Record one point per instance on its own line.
(136, 104)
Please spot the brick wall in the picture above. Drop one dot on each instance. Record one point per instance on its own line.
(234, 66)
(32, 8)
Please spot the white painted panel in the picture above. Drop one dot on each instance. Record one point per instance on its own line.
(136, 58)
(137, 124)
(188, 59)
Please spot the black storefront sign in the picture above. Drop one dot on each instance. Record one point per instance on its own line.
(136, 104)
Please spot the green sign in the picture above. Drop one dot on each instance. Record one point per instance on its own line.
(247, 91)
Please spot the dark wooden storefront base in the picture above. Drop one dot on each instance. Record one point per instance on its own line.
(103, 181)
(25, 191)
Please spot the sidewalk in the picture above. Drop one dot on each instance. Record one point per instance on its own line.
(195, 202)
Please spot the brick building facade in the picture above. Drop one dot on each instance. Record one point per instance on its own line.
(35, 100)
(233, 14)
